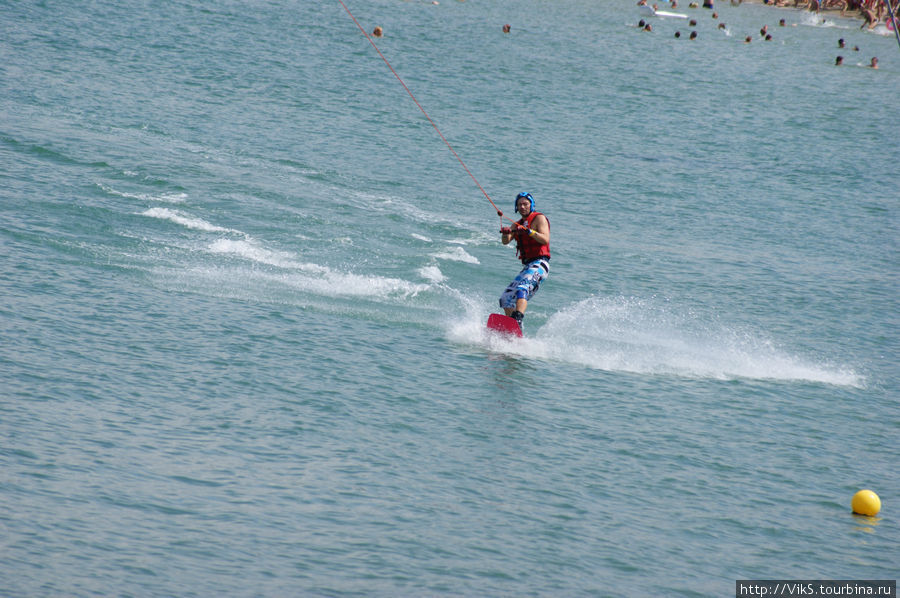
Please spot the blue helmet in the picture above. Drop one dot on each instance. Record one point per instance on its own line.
(527, 196)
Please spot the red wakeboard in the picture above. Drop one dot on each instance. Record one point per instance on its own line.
(504, 325)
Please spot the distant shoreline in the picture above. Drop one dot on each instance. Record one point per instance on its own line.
(856, 14)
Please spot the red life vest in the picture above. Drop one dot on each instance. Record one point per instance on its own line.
(527, 248)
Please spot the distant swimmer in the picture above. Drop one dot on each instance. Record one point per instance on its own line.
(748, 39)
(506, 28)
(841, 43)
(839, 61)
(677, 34)
(532, 235)
(874, 63)
(648, 27)
(693, 35)
(377, 32)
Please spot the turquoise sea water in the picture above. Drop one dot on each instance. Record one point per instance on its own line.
(244, 287)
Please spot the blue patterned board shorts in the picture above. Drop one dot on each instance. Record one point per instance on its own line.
(526, 283)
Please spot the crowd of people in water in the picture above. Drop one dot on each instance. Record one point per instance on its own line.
(871, 11)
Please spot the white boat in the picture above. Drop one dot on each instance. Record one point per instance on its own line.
(649, 11)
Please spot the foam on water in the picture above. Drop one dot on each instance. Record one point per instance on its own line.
(307, 277)
(881, 29)
(172, 198)
(259, 285)
(644, 337)
(186, 221)
(403, 206)
(291, 271)
(432, 273)
(456, 254)
(250, 249)
(812, 19)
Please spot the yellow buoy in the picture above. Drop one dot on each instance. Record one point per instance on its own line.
(866, 502)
